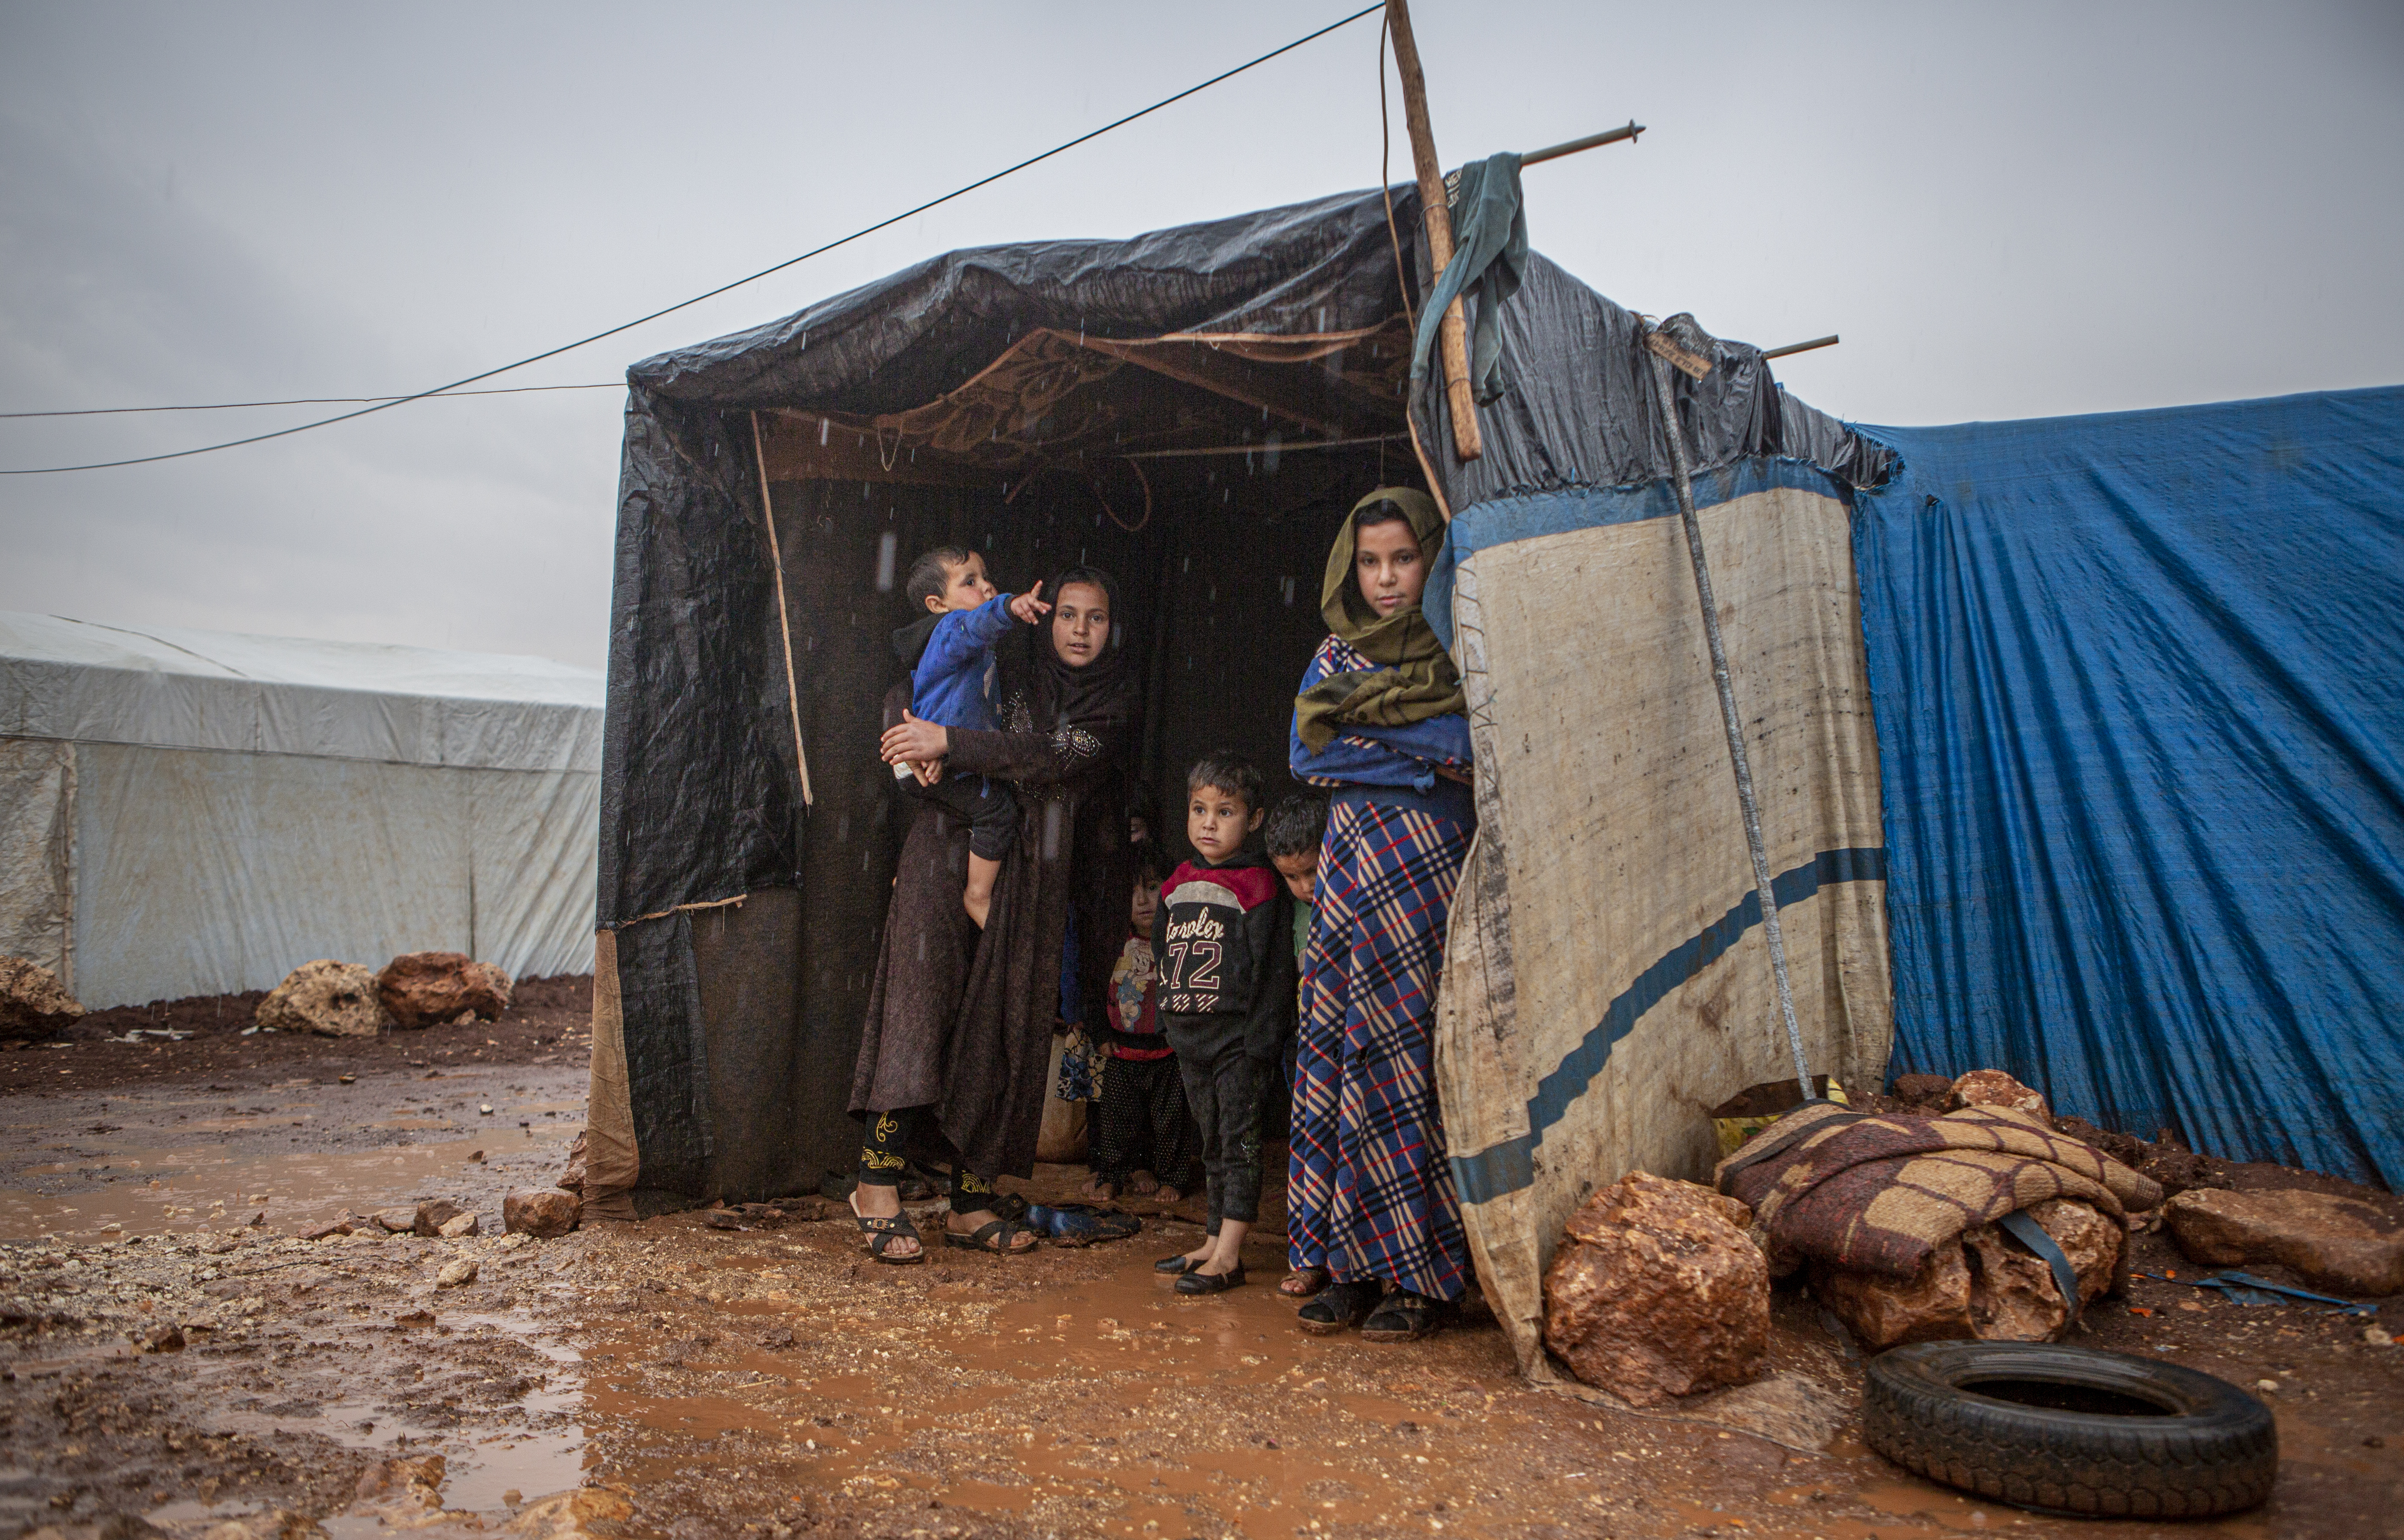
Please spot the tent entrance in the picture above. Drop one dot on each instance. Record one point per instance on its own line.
(1208, 475)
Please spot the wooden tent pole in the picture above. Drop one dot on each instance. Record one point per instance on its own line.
(1452, 333)
(784, 622)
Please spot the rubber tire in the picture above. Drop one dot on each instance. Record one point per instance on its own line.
(2216, 1452)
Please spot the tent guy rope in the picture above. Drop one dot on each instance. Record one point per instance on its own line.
(1665, 351)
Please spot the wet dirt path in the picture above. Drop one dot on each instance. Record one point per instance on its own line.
(774, 1381)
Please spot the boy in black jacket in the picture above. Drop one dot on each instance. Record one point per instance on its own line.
(1222, 944)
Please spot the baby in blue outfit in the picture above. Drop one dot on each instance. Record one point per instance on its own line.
(950, 651)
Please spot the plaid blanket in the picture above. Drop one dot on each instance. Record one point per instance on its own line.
(1878, 1193)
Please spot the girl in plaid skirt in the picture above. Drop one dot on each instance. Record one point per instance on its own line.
(1374, 1227)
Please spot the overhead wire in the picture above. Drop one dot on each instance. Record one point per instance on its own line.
(311, 400)
(455, 385)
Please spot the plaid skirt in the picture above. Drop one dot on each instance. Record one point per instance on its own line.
(1369, 1192)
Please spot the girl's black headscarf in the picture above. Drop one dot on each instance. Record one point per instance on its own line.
(1102, 696)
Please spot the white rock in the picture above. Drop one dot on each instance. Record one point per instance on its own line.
(454, 1273)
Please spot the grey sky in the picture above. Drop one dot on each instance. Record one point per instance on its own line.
(2019, 211)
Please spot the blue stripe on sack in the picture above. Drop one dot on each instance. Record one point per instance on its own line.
(1510, 1166)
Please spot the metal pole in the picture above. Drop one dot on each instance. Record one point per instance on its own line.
(1729, 718)
(1554, 152)
(1829, 341)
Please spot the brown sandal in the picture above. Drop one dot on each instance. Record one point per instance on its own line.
(882, 1231)
(994, 1236)
(1303, 1283)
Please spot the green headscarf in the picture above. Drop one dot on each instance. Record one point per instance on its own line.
(1416, 680)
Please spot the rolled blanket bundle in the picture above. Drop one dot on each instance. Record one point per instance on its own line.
(1877, 1193)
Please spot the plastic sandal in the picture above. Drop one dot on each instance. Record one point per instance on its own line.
(1339, 1306)
(1304, 1283)
(881, 1233)
(1081, 1224)
(994, 1236)
(1404, 1317)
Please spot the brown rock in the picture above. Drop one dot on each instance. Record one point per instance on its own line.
(573, 1177)
(393, 1478)
(1994, 1088)
(166, 1339)
(395, 1221)
(456, 1273)
(569, 1515)
(1928, 1091)
(342, 1226)
(2339, 1244)
(432, 1215)
(331, 999)
(538, 1212)
(33, 1003)
(1979, 1284)
(460, 1227)
(420, 989)
(1932, 1305)
(1656, 1291)
(400, 1493)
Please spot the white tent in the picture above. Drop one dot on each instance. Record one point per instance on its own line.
(197, 812)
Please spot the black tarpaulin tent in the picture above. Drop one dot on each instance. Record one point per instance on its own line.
(1192, 409)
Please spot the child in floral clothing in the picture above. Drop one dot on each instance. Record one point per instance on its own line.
(1145, 1140)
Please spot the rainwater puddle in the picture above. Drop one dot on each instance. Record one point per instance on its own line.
(178, 1189)
(549, 1459)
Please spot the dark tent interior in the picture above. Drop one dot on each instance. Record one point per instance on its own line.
(1206, 476)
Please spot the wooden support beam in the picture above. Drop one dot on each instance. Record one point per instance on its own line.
(1453, 335)
(1279, 389)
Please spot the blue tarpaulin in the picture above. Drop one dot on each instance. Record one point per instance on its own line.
(2139, 682)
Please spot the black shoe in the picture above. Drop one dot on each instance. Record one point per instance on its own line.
(1340, 1305)
(1178, 1264)
(1194, 1282)
(1405, 1317)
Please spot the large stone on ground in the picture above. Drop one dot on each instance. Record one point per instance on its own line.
(328, 998)
(433, 1214)
(32, 1001)
(1924, 1091)
(421, 989)
(1979, 1284)
(2339, 1244)
(1656, 1291)
(538, 1212)
(1994, 1088)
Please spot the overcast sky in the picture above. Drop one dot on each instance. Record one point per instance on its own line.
(2007, 212)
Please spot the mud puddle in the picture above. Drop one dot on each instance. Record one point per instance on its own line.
(157, 1160)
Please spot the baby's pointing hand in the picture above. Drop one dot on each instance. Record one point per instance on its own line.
(1029, 607)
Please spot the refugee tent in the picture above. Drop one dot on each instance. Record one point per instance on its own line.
(2140, 689)
(1194, 409)
(194, 812)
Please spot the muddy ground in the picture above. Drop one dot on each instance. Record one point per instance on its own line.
(695, 1381)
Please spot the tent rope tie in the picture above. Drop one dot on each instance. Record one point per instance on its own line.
(1661, 349)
